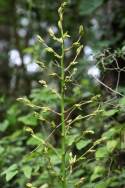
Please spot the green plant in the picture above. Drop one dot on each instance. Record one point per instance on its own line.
(68, 147)
(36, 161)
(66, 160)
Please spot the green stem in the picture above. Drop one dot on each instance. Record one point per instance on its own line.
(62, 114)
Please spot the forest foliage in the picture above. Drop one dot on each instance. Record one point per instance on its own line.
(62, 94)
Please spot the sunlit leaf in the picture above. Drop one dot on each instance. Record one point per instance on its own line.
(10, 175)
(82, 143)
(111, 145)
(27, 171)
(98, 172)
(4, 125)
(29, 119)
(109, 113)
(101, 152)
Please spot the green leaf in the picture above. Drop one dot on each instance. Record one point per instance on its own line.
(44, 95)
(11, 168)
(10, 172)
(10, 175)
(27, 170)
(29, 119)
(98, 172)
(35, 142)
(88, 6)
(70, 139)
(110, 112)
(111, 133)
(12, 113)
(82, 143)
(55, 159)
(111, 145)
(32, 141)
(101, 152)
(4, 125)
(101, 185)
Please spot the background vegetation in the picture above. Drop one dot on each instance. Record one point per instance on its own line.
(98, 82)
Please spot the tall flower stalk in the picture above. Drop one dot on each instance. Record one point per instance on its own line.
(63, 133)
(67, 158)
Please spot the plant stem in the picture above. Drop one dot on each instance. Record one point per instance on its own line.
(63, 132)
